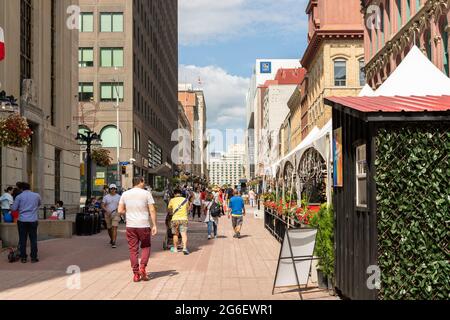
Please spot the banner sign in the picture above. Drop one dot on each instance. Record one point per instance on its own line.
(297, 253)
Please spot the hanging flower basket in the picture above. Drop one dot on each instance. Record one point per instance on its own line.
(101, 157)
(15, 132)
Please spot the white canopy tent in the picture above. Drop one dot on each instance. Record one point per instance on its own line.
(415, 76)
(319, 139)
(366, 91)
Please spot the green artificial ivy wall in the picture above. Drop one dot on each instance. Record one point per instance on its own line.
(413, 211)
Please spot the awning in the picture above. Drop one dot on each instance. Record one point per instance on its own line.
(394, 104)
(163, 170)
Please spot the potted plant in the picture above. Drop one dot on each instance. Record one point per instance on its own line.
(101, 157)
(324, 222)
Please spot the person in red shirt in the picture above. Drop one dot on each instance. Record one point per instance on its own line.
(203, 195)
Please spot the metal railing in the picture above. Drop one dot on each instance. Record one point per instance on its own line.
(277, 225)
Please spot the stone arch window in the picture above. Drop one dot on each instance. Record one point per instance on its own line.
(443, 29)
(109, 137)
(340, 72)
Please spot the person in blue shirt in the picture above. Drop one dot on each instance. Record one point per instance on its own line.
(236, 211)
(27, 203)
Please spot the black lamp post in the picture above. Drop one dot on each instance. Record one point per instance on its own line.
(88, 137)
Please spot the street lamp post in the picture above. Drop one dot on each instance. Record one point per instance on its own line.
(88, 137)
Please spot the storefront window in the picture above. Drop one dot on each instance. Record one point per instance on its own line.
(361, 176)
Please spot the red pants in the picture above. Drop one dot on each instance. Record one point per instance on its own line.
(134, 237)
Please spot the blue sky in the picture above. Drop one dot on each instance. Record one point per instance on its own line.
(220, 41)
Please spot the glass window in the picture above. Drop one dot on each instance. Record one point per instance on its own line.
(388, 18)
(109, 137)
(444, 35)
(108, 91)
(340, 73)
(85, 91)
(361, 176)
(86, 22)
(408, 10)
(85, 57)
(382, 26)
(111, 22)
(362, 74)
(399, 14)
(428, 44)
(111, 57)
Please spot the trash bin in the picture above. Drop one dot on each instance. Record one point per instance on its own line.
(79, 221)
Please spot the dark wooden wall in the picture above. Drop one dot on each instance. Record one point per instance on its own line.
(355, 228)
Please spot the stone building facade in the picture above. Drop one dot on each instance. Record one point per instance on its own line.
(194, 103)
(334, 60)
(41, 68)
(131, 48)
(394, 26)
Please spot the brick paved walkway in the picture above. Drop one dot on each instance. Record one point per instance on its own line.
(225, 268)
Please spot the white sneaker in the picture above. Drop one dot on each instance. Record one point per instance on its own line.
(209, 237)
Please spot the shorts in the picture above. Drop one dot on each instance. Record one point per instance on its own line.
(112, 221)
(237, 221)
(179, 226)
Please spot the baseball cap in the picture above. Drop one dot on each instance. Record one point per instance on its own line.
(113, 186)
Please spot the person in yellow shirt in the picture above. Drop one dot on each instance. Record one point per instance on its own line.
(179, 207)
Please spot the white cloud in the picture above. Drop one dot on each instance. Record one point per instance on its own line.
(203, 21)
(224, 94)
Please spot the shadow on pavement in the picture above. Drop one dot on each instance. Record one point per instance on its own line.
(94, 253)
(162, 274)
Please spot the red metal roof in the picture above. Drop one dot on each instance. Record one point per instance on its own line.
(394, 104)
(290, 76)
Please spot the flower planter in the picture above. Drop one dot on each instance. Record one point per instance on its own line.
(322, 280)
(330, 286)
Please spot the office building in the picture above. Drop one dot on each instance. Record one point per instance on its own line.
(129, 49)
(40, 70)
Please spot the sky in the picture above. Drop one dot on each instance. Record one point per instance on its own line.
(219, 42)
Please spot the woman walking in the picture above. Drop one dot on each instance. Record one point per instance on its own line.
(197, 205)
(212, 216)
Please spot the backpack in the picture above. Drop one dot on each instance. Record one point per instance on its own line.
(215, 210)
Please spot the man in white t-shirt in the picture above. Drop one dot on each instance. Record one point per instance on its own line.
(110, 204)
(137, 205)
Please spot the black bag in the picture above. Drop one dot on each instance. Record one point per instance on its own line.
(13, 255)
(215, 210)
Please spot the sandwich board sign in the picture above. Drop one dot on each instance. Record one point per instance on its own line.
(295, 260)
